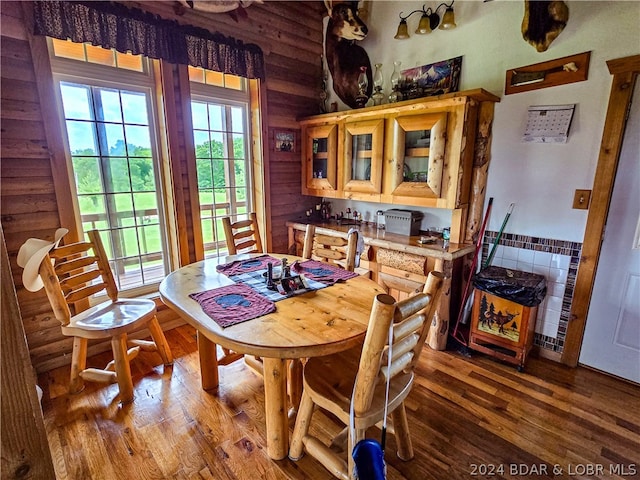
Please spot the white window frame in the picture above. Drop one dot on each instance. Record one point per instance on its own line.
(233, 98)
(74, 71)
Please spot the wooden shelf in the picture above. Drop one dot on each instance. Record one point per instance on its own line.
(321, 156)
(417, 152)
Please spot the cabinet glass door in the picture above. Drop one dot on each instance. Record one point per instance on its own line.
(363, 156)
(418, 151)
(321, 158)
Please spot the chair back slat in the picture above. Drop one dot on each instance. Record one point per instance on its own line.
(75, 281)
(74, 264)
(326, 248)
(236, 232)
(83, 293)
(397, 366)
(70, 250)
(412, 317)
(333, 241)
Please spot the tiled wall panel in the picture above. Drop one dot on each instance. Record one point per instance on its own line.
(557, 261)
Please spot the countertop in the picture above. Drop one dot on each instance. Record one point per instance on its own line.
(392, 241)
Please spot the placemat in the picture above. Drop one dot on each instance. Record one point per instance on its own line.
(322, 271)
(248, 265)
(233, 304)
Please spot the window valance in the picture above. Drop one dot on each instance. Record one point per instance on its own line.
(113, 25)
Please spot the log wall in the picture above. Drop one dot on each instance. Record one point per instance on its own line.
(32, 159)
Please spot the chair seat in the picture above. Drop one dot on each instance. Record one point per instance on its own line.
(111, 318)
(333, 392)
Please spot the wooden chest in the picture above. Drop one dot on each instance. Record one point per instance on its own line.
(502, 328)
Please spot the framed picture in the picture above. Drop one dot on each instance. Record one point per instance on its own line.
(284, 140)
(434, 78)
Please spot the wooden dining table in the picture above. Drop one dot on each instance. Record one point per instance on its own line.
(316, 323)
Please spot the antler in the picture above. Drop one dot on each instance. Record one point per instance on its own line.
(329, 5)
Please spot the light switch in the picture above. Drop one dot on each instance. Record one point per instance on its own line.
(581, 199)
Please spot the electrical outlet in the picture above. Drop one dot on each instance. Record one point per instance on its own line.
(581, 199)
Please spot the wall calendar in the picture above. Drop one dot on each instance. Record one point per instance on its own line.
(548, 123)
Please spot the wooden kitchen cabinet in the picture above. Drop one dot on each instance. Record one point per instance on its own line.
(417, 152)
(362, 154)
(320, 160)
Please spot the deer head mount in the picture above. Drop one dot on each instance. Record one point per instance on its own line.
(543, 21)
(344, 57)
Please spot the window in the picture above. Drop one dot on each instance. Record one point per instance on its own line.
(221, 138)
(110, 123)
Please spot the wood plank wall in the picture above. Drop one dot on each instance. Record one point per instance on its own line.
(290, 34)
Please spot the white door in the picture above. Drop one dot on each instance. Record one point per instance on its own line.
(612, 334)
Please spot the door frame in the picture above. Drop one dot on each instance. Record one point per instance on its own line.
(625, 71)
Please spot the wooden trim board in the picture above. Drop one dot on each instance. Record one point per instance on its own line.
(552, 73)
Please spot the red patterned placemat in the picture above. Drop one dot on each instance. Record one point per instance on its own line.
(247, 265)
(322, 271)
(233, 304)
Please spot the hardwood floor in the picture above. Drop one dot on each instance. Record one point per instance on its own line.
(469, 417)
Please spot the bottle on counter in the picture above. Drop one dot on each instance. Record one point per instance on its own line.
(379, 219)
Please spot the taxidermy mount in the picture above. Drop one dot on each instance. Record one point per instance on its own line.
(344, 56)
(543, 21)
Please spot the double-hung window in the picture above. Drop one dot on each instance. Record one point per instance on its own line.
(107, 100)
(220, 119)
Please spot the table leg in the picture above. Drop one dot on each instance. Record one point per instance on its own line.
(275, 400)
(295, 385)
(208, 363)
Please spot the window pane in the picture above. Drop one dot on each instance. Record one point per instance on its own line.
(138, 140)
(134, 107)
(87, 174)
(142, 176)
(108, 106)
(205, 179)
(100, 55)
(219, 173)
(146, 207)
(237, 119)
(196, 74)
(239, 169)
(214, 78)
(238, 146)
(217, 145)
(216, 117)
(118, 170)
(202, 144)
(129, 61)
(113, 138)
(75, 100)
(199, 117)
(233, 82)
(81, 138)
(67, 49)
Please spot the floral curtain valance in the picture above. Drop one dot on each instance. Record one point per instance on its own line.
(112, 25)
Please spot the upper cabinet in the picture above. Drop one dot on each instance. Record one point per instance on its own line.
(319, 160)
(417, 152)
(416, 148)
(361, 158)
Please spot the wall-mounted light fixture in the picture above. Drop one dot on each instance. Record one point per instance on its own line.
(429, 21)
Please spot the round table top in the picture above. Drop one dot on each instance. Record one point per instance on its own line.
(315, 323)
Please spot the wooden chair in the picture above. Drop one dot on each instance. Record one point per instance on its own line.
(328, 382)
(71, 275)
(242, 236)
(330, 249)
